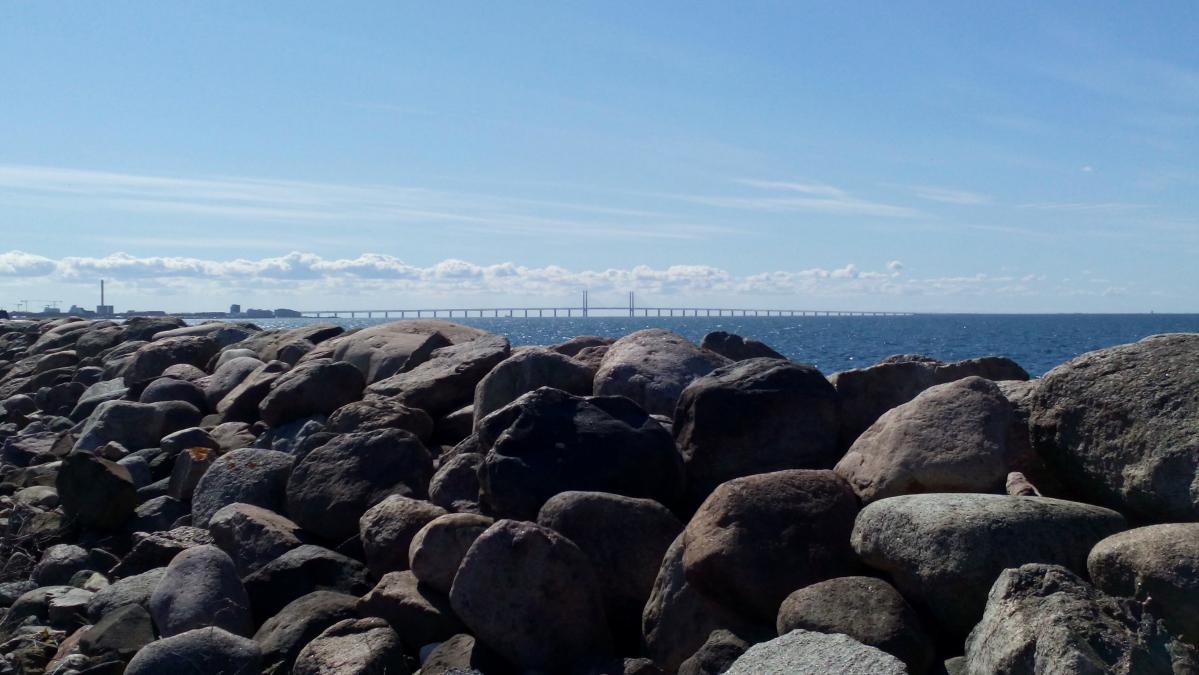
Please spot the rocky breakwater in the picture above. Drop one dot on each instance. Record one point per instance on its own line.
(422, 497)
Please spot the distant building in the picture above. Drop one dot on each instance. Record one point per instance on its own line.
(234, 310)
(258, 314)
(104, 310)
(76, 310)
(51, 310)
(285, 313)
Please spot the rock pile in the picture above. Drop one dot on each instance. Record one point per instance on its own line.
(420, 497)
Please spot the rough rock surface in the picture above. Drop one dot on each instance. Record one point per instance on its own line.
(201, 589)
(1121, 426)
(949, 438)
(247, 476)
(1045, 619)
(335, 484)
(421, 612)
(447, 380)
(253, 536)
(203, 650)
(803, 652)
(298, 572)
(387, 530)
(716, 655)
(314, 388)
(384, 350)
(652, 367)
(944, 551)
(377, 413)
(438, 548)
(736, 347)
(526, 371)
(1158, 564)
(755, 416)
(353, 647)
(866, 609)
(283, 635)
(133, 425)
(548, 441)
(531, 595)
(757, 538)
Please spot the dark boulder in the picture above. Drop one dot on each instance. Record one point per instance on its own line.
(313, 388)
(548, 441)
(652, 367)
(387, 529)
(133, 425)
(248, 476)
(737, 348)
(152, 358)
(421, 613)
(380, 413)
(253, 536)
(439, 547)
(447, 380)
(301, 621)
(200, 589)
(171, 389)
(95, 492)
(203, 650)
(299, 572)
(526, 371)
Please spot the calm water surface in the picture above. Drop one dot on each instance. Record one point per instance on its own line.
(1037, 341)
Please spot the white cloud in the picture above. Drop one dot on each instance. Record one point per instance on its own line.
(800, 197)
(22, 264)
(950, 196)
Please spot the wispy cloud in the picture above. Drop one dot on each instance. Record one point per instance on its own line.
(785, 196)
(288, 201)
(1084, 206)
(950, 195)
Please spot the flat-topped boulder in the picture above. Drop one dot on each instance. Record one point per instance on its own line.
(943, 551)
(1120, 426)
(526, 371)
(384, 350)
(446, 380)
(652, 367)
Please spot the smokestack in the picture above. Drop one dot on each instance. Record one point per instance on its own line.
(101, 292)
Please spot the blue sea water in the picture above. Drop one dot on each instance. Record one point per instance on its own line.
(1036, 341)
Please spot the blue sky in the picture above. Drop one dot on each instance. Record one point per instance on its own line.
(928, 157)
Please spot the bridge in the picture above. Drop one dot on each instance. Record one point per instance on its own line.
(584, 310)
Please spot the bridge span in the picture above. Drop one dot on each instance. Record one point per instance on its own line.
(583, 311)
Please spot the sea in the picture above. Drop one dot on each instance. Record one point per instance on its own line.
(1038, 342)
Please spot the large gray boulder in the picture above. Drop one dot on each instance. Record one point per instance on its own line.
(755, 416)
(288, 345)
(249, 476)
(1045, 619)
(944, 551)
(387, 529)
(526, 371)
(152, 358)
(315, 387)
(241, 403)
(548, 441)
(803, 652)
(867, 393)
(381, 351)
(1158, 565)
(224, 333)
(624, 539)
(353, 647)
(866, 609)
(1121, 426)
(253, 536)
(439, 547)
(335, 484)
(531, 595)
(133, 425)
(227, 376)
(203, 650)
(201, 589)
(652, 367)
(446, 381)
(302, 620)
(131, 590)
(757, 538)
(950, 438)
(380, 413)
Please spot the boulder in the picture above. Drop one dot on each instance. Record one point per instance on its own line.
(293, 344)
(95, 492)
(531, 595)
(803, 652)
(526, 371)
(227, 376)
(652, 367)
(314, 388)
(298, 572)
(203, 650)
(737, 348)
(380, 413)
(943, 551)
(132, 590)
(1121, 426)
(577, 344)
(59, 563)
(233, 436)
(463, 655)
(335, 484)
(1157, 565)
(453, 428)
(455, 486)
(422, 613)
(624, 539)
(249, 476)
(353, 647)
(387, 530)
(95, 394)
(159, 513)
(171, 389)
(156, 549)
(548, 441)
(757, 538)
(867, 393)
(283, 636)
(241, 404)
(253, 536)
(384, 350)
(146, 327)
(119, 635)
(716, 656)
(866, 609)
(201, 589)
(133, 425)
(152, 358)
(447, 380)
(949, 438)
(224, 333)
(755, 416)
(190, 466)
(438, 548)
(1045, 619)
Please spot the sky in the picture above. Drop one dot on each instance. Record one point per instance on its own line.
(942, 157)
